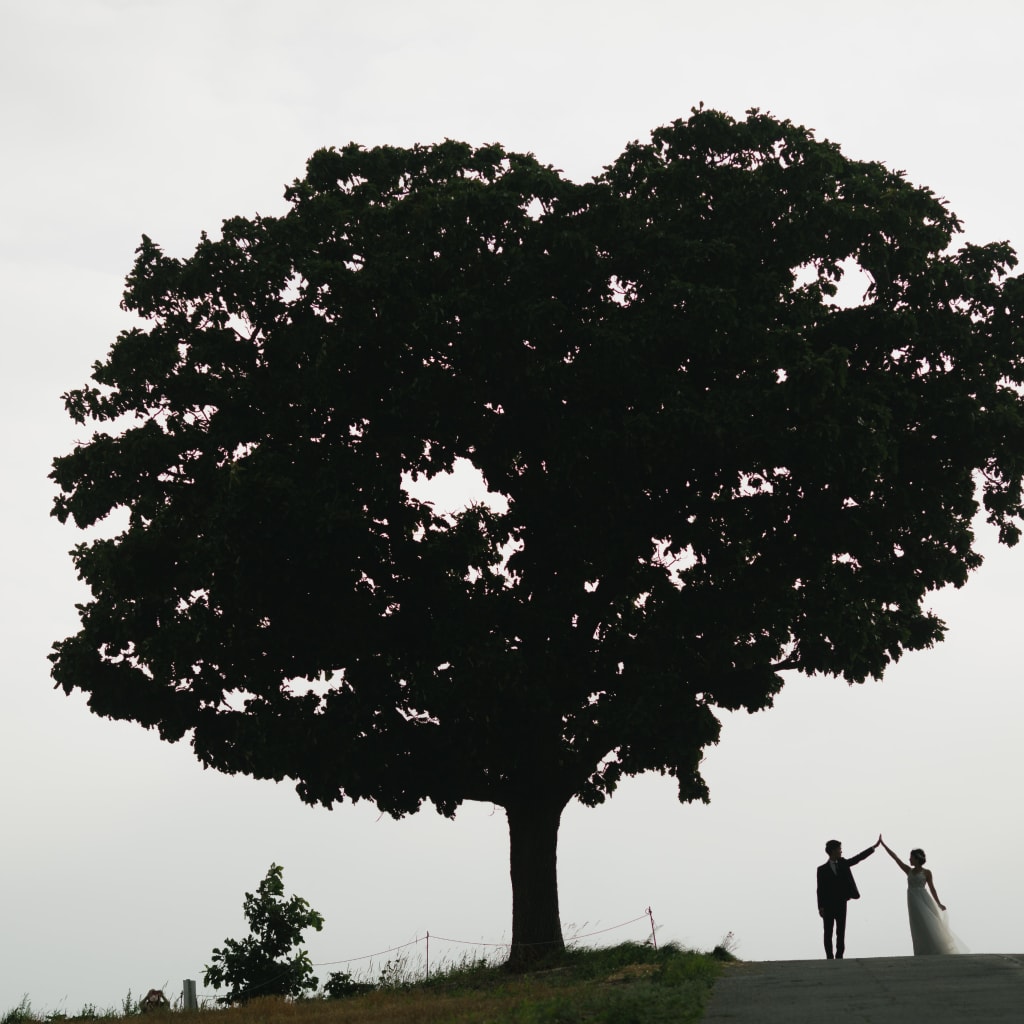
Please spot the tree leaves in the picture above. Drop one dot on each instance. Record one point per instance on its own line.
(707, 469)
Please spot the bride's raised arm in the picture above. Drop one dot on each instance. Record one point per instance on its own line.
(905, 867)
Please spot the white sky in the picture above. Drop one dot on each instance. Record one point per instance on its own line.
(122, 863)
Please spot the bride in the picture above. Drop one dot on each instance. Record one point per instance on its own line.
(928, 929)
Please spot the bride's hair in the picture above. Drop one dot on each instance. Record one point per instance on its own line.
(919, 854)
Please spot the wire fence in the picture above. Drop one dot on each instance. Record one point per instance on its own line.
(205, 998)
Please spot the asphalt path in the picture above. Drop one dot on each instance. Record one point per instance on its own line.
(971, 989)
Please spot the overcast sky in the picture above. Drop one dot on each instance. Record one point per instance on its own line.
(122, 863)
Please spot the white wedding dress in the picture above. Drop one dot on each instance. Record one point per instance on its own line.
(928, 928)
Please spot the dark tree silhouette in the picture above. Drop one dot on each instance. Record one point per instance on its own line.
(701, 468)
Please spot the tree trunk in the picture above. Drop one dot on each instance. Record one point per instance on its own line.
(533, 857)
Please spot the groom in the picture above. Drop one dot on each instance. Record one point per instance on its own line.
(835, 887)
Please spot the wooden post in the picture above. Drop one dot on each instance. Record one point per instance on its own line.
(188, 995)
(654, 938)
(428, 955)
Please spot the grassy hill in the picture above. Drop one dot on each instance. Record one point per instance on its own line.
(626, 984)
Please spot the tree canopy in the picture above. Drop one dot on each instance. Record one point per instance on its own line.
(706, 462)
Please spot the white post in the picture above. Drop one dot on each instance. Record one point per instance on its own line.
(188, 995)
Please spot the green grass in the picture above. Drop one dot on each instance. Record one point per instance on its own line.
(625, 984)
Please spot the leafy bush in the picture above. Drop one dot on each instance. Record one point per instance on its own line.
(259, 965)
(340, 985)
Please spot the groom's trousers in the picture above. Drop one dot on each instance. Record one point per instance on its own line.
(834, 918)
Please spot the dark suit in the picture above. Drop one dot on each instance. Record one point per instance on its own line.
(834, 889)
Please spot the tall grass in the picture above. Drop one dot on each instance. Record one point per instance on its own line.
(20, 1014)
(24, 1014)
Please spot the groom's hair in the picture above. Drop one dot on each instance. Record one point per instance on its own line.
(832, 844)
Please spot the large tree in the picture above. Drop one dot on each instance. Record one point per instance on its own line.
(703, 467)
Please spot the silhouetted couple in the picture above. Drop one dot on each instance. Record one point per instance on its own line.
(929, 931)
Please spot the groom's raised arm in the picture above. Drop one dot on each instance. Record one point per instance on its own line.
(860, 856)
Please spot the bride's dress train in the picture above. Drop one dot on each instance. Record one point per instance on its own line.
(928, 929)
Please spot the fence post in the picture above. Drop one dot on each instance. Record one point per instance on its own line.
(654, 938)
(428, 954)
(188, 995)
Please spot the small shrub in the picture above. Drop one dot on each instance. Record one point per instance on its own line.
(726, 949)
(395, 974)
(341, 985)
(259, 965)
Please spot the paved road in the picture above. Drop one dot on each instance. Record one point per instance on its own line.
(971, 989)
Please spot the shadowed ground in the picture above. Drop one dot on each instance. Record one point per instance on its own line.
(981, 988)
